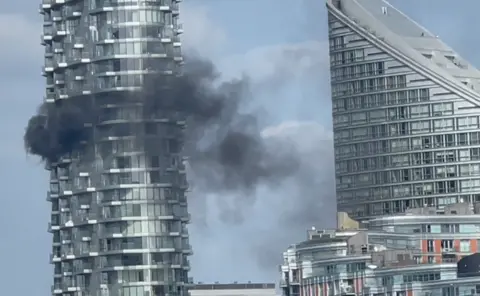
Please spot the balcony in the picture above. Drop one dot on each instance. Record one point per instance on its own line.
(53, 227)
(57, 48)
(175, 9)
(61, 94)
(49, 98)
(47, 29)
(179, 29)
(57, 289)
(59, 31)
(51, 196)
(74, 12)
(186, 218)
(295, 280)
(57, 16)
(60, 62)
(59, 79)
(46, 4)
(46, 38)
(55, 258)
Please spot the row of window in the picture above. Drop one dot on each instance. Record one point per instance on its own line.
(77, 233)
(336, 42)
(415, 159)
(383, 99)
(448, 245)
(451, 228)
(406, 190)
(411, 278)
(361, 70)
(357, 207)
(414, 143)
(405, 176)
(132, 243)
(117, 212)
(143, 227)
(401, 113)
(105, 196)
(133, 64)
(412, 175)
(347, 57)
(368, 85)
(129, 14)
(151, 177)
(405, 129)
(137, 210)
(128, 260)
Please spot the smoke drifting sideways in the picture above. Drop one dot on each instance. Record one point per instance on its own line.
(222, 141)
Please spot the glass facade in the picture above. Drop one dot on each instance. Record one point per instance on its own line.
(405, 113)
(119, 211)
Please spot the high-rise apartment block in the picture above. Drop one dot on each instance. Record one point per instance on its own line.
(119, 214)
(405, 111)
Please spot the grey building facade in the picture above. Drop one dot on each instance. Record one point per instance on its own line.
(402, 255)
(233, 289)
(405, 112)
(119, 212)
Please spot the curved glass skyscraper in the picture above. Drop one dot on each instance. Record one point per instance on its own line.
(119, 210)
(405, 111)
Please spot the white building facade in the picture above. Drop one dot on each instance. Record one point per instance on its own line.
(405, 112)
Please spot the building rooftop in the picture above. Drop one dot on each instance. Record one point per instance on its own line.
(233, 286)
(389, 24)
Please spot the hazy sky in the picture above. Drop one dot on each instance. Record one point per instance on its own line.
(282, 47)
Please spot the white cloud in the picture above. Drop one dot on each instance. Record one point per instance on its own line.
(274, 64)
(278, 63)
(201, 34)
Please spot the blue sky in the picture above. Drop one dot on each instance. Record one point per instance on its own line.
(281, 44)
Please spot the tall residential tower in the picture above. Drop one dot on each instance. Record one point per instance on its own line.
(405, 111)
(119, 210)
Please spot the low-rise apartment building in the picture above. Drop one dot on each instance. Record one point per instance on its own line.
(424, 252)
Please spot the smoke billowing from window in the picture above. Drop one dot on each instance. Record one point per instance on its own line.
(223, 143)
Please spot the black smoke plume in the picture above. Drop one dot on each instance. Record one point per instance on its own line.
(56, 129)
(222, 141)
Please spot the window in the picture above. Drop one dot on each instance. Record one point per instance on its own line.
(430, 245)
(420, 127)
(447, 245)
(413, 95)
(440, 109)
(465, 246)
(402, 81)
(443, 124)
(462, 139)
(470, 122)
(424, 94)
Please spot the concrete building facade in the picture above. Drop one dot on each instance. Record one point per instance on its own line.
(398, 256)
(405, 113)
(234, 289)
(119, 214)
